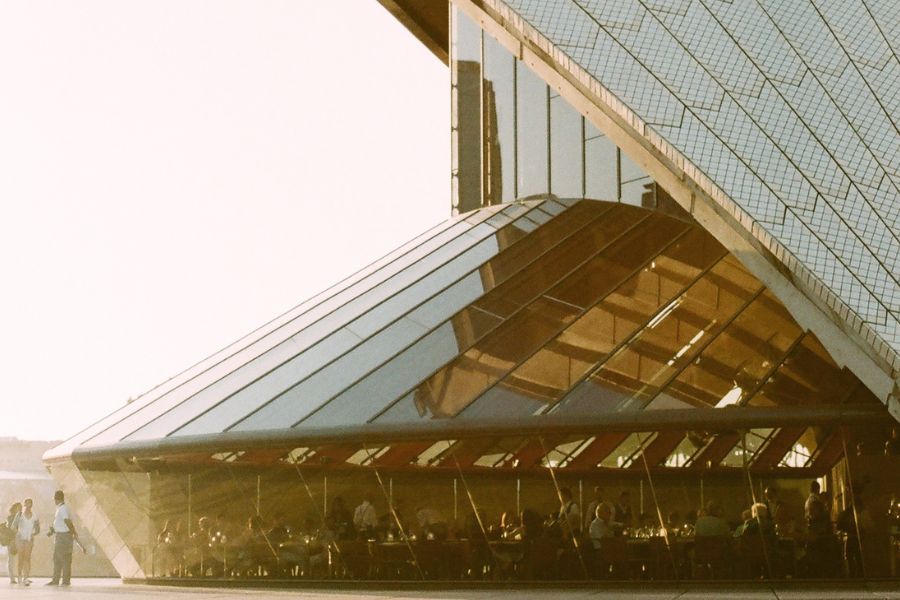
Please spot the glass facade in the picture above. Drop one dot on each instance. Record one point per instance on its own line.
(547, 307)
(519, 138)
(517, 313)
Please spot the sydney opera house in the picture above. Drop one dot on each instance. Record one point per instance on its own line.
(672, 269)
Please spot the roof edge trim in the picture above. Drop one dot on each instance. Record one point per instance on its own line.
(435, 429)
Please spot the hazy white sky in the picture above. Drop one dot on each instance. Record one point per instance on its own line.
(175, 173)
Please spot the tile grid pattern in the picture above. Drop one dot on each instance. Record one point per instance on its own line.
(786, 113)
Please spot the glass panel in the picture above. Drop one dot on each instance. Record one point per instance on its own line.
(314, 325)
(566, 158)
(640, 192)
(465, 75)
(755, 440)
(501, 453)
(296, 402)
(628, 169)
(626, 452)
(670, 340)
(808, 375)
(270, 334)
(684, 452)
(499, 123)
(558, 262)
(549, 374)
(384, 385)
(291, 366)
(525, 264)
(532, 131)
(455, 386)
(804, 449)
(563, 454)
(739, 359)
(601, 182)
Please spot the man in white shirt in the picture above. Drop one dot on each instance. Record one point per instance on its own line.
(603, 527)
(64, 530)
(365, 519)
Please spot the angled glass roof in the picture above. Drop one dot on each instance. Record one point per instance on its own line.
(785, 113)
(547, 307)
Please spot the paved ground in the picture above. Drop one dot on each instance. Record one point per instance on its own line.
(102, 589)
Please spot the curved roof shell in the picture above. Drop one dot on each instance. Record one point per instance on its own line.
(784, 114)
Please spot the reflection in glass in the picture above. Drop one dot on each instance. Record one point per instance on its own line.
(631, 378)
(526, 331)
(628, 169)
(552, 371)
(740, 359)
(639, 192)
(465, 76)
(804, 449)
(753, 442)
(566, 158)
(499, 123)
(628, 451)
(807, 375)
(294, 404)
(531, 133)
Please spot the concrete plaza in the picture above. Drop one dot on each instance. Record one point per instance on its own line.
(91, 589)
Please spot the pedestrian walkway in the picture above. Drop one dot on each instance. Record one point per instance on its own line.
(91, 589)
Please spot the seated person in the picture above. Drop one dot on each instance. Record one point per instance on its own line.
(711, 523)
(291, 552)
(603, 527)
(254, 551)
(760, 522)
(532, 526)
(320, 543)
(746, 517)
(431, 524)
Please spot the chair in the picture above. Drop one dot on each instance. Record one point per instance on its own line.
(711, 556)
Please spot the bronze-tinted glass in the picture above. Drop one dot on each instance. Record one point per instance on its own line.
(551, 371)
(634, 374)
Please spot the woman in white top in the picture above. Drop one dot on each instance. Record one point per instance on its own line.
(27, 526)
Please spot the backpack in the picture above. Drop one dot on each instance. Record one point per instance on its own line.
(7, 535)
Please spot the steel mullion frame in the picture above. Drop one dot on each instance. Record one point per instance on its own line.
(582, 227)
(518, 310)
(501, 208)
(489, 213)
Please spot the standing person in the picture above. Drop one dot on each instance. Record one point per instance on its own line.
(569, 516)
(622, 509)
(27, 526)
(12, 519)
(365, 519)
(65, 533)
